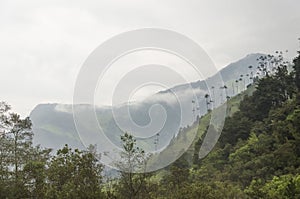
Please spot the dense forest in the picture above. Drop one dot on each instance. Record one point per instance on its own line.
(257, 155)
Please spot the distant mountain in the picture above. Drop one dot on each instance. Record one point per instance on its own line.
(229, 73)
(54, 126)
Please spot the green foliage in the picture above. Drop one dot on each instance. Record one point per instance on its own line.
(133, 182)
(259, 141)
(74, 174)
(297, 71)
(282, 187)
(257, 156)
(15, 152)
(30, 172)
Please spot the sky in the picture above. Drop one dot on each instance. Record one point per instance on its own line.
(43, 44)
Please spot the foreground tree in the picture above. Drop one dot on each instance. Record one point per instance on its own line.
(18, 156)
(35, 172)
(74, 174)
(4, 154)
(20, 138)
(133, 182)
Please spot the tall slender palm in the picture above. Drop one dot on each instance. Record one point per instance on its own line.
(198, 114)
(237, 86)
(251, 73)
(226, 93)
(248, 79)
(225, 89)
(207, 101)
(193, 109)
(156, 141)
(241, 79)
(213, 100)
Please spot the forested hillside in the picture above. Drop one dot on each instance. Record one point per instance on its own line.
(258, 152)
(257, 155)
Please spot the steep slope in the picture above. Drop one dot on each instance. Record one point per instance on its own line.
(54, 125)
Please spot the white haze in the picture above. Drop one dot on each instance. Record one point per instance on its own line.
(44, 43)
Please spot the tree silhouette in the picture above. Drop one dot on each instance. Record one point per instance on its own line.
(225, 89)
(156, 141)
(207, 101)
(241, 79)
(193, 109)
(213, 97)
(237, 86)
(131, 185)
(251, 73)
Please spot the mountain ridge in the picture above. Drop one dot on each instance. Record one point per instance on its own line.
(53, 123)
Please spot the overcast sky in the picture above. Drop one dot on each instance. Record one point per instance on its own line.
(44, 43)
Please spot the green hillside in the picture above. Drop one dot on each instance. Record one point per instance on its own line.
(256, 156)
(232, 106)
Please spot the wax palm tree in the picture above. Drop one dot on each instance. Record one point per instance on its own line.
(207, 101)
(156, 141)
(212, 100)
(237, 86)
(251, 73)
(241, 79)
(225, 88)
(193, 109)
